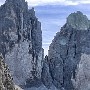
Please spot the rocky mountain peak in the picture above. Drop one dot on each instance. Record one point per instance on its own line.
(21, 41)
(70, 48)
(78, 21)
(17, 4)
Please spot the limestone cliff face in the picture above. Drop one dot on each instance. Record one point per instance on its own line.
(66, 50)
(82, 77)
(6, 82)
(21, 41)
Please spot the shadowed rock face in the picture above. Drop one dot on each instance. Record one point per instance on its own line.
(66, 48)
(21, 40)
(46, 77)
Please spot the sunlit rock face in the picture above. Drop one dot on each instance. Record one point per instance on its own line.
(21, 41)
(6, 81)
(66, 50)
(82, 77)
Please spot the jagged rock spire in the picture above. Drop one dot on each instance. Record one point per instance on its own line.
(18, 3)
(21, 38)
(65, 53)
(78, 21)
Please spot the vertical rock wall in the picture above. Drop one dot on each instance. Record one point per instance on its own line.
(21, 41)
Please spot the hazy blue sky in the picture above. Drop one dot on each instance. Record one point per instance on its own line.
(53, 13)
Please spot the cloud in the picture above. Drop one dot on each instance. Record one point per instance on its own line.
(53, 2)
(2, 2)
(43, 2)
(50, 2)
(56, 2)
(81, 1)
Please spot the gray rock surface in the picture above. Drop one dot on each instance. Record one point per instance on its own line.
(21, 41)
(78, 21)
(42, 87)
(66, 49)
(46, 77)
(82, 77)
(6, 81)
(21, 46)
